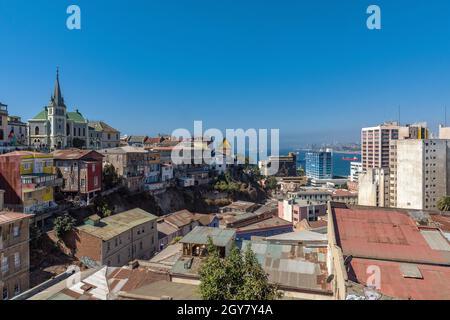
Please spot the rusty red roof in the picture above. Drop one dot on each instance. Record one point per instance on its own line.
(75, 154)
(432, 283)
(7, 217)
(441, 221)
(385, 235)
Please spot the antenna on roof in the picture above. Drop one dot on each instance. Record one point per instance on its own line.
(399, 115)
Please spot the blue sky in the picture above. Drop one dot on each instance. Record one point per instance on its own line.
(310, 68)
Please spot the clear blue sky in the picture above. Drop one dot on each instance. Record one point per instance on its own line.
(310, 68)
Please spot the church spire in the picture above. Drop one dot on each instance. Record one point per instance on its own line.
(57, 96)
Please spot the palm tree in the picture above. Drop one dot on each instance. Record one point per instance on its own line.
(444, 204)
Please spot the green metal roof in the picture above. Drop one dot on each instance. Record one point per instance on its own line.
(200, 235)
(76, 117)
(41, 115)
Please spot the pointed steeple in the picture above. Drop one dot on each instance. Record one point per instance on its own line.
(57, 96)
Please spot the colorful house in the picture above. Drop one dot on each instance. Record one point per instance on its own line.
(81, 171)
(28, 179)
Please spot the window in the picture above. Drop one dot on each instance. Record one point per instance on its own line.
(140, 245)
(95, 181)
(74, 131)
(118, 258)
(36, 131)
(108, 247)
(5, 293)
(93, 167)
(5, 265)
(16, 231)
(16, 289)
(17, 260)
(83, 182)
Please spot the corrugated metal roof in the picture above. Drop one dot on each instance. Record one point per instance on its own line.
(435, 284)
(303, 235)
(200, 235)
(383, 234)
(292, 265)
(117, 224)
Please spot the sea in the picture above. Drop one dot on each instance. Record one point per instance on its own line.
(341, 167)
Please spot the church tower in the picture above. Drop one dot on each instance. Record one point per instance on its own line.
(57, 117)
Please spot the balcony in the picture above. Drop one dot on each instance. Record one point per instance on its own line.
(35, 181)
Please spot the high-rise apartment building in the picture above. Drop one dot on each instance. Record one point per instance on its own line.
(379, 151)
(375, 142)
(422, 173)
(415, 131)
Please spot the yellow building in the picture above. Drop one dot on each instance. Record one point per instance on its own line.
(29, 179)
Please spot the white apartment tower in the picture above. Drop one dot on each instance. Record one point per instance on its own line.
(379, 160)
(422, 173)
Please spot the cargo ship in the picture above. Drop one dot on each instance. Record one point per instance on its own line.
(350, 159)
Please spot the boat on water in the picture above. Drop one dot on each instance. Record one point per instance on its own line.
(350, 159)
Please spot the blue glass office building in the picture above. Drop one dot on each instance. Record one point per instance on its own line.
(319, 165)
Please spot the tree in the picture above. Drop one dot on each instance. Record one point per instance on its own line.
(102, 207)
(213, 275)
(443, 203)
(237, 277)
(255, 282)
(110, 177)
(63, 225)
(271, 183)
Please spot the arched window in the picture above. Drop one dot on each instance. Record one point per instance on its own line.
(36, 131)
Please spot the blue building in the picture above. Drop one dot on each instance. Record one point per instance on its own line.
(319, 164)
